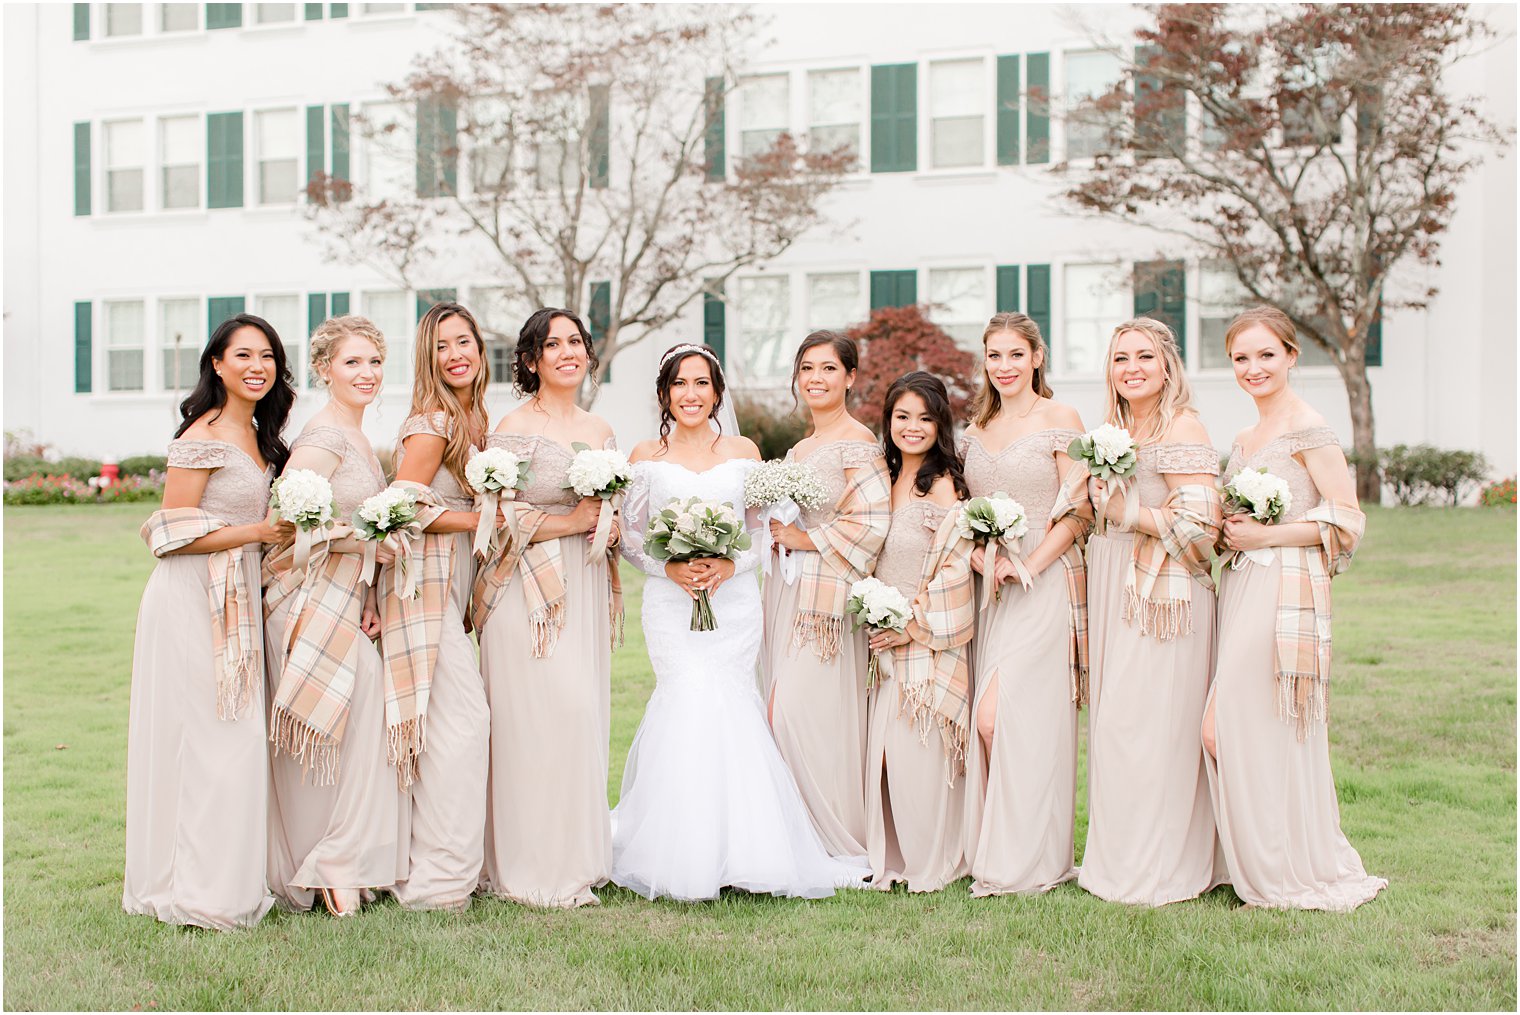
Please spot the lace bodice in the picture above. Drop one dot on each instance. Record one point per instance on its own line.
(237, 491)
(1026, 469)
(657, 483)
(1156, 460)
(454, 496)
(1276, 456)
(909, 540)
(355, 478)
(830, 461)
(551, 467)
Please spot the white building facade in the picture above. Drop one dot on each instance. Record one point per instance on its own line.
(156, 157)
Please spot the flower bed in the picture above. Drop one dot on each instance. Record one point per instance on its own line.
(50, 489)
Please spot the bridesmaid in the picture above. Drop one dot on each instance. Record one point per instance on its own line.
(814, 666)
(1268, 751)
(197, 769)
(1031, 643)
(1150, 837)
(915, 802)
(429, 659)
(342, 827)
(544, 613)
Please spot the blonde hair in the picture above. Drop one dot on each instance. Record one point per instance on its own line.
(1272, 319)
(430, 394)
(1176, 392)
(331, 333)
(988, 403)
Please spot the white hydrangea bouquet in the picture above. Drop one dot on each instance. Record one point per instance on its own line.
(495, 475)
(305, 499)
(875, 604)
(992, 522)
(693, 529)
(783, 490)
(601, 473)
(1112, 455)
(1263, 496)
(390, 517)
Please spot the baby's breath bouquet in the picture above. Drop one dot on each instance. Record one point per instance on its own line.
(1263, 496)
(305, 499)
(495, 474)
(601, 473)
(875, 604)
(390, 517)
(992, 522)
(783, 490)
(691, 530)
(1110, 454)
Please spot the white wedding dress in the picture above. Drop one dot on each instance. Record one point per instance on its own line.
(707, 801)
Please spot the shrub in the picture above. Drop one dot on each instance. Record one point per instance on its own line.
(1498, 494)
(774, 426)
(82, 469)
(21, 466)
(897, 340)
(63, 489)
(1408, 471)
(1456, 472)
(142, 465)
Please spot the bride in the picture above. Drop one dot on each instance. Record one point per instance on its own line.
(707, 802)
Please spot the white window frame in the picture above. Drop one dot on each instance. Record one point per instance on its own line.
(257, 161)
(163, 165)
(162, 9)
(1068, 102)
(142, 348)
(398, 148)
(976, 323)
(742, 95)
(398, 344)
(107, 167)
(863, 117)
(296, 363)
(1114, 271)
(783, 331)
(862, 306)
(163, 347)
(105, 21)
(987, 107)
(251, 16)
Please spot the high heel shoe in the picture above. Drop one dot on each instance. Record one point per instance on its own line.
(341, 901)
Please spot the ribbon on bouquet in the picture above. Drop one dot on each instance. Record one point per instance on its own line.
(1264, 556)
(598, 549)
(307, 540)
(880, 666)
(789, 565)
(1131, 505)
(485, 530)
(991, 587)
(406, 544)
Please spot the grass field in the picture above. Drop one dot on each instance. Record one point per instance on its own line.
(1423, 740)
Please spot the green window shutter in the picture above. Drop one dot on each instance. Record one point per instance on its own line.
(1038, 87)
(1373, 356)
(219, 308)
(894, 118)
(598, 318)
(1037, 277)
(316, 311)
(437, 148)
(713, 137)
(81, 33)
(84, 347)
(224, 15)
(1160, 112)
(426, 298)
(1007, 287)
(1161, 292)
(715, 318)
(1008, 109)
(337, 10)
(313, 12)
(894, 289)
(339, 304)
(81, 169)
(224, 160)
(340, 141)
(601, 135)
(316, 141)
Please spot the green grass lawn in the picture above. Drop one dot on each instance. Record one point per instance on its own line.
(1423, 733)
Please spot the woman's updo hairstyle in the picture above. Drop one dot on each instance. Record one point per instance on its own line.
(844, 347)
(331, 334)
(530, 348)
(670, 367)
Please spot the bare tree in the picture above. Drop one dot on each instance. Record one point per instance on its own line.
(1313, 149)
(594, 143)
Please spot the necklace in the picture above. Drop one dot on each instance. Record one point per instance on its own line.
(1032, 405)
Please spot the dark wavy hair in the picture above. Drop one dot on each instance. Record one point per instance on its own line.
(530, 346)
(667, 377)
(942, 459)
(844, 347)
(269, 413)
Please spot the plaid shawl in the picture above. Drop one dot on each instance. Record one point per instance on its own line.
(1158, 587)
(1303, 613)
(237, 655)
(934, 676)
(321, 640)
(411, 628)
(1072, 507)
(848, 544)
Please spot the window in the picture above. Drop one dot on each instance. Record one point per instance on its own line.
(123, 19)
(960, 303)
(1088, 77)
(764, 319)
(284, 313)
(500, 318)
(179, 17)
(834, 110)
(554, 165)
(1096, 297)
(278, 135)
(383, 8)
(124, 345)
(764, 108)
(490, 156)
(957, 104)
(179, 147)
(390, 152)
(391, 312)
(273, 14)
(834, 301)
(124, 165)
(1220, 298)
(180, 340)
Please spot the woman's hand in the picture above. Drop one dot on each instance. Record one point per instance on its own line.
(369, 616)
(273, 529)
(790, 536)
(583, 518)
(614, 534)
(1004, 571)
(1242, 532)
(687, 574)
(979, 560)
(883, 640)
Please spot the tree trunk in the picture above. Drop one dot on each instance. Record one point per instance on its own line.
(1369, 482)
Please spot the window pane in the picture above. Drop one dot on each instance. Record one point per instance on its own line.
(834, 301)
(834, 110)
(181, 140)
(828, 139)
(765, 107)
(181, 186)
(764, 311)
(555, 166)
(124, 19)
(1088, 75)
(500, 317)
(124, 144)
(178, 17)
(124, 190)
(278, 137)
(1097, 297)
(957, 142)
(125, 370)
(956, 88)
(391, 312)
(285, 314)
(266, 14)
(382, 8)
(179, 342)
(960, 295)
(180, 144)
(124, 346)
(390, 153)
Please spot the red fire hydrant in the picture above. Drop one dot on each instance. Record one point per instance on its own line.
(110, 472)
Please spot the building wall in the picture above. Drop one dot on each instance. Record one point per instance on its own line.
(1447, 373)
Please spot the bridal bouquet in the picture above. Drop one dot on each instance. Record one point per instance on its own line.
(995, 521)
(1110, 454)
(389, 513)
(1263, 496)
(783, 490)
(876, 604)
(305, 499)
(495, 474)
(605, 474)
(693, 529)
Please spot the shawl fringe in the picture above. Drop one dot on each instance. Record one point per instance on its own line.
(235, 683)
(823, 630)
(317, 753)
(1303, 699)
(404, 744)
(915, 702)
(1165, 618)
(546, 622)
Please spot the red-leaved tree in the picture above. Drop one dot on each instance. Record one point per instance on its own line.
(897, 340)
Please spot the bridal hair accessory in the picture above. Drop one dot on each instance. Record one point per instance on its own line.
(682, 350)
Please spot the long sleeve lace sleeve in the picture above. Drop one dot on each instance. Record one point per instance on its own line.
(636, 523)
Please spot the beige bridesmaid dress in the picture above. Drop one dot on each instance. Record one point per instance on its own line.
(354, 833)
(448, 798)
(915, 818)
(1022, 799)
(549, 830)
(1150, 833)
(1274, 796)
(197, 786)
